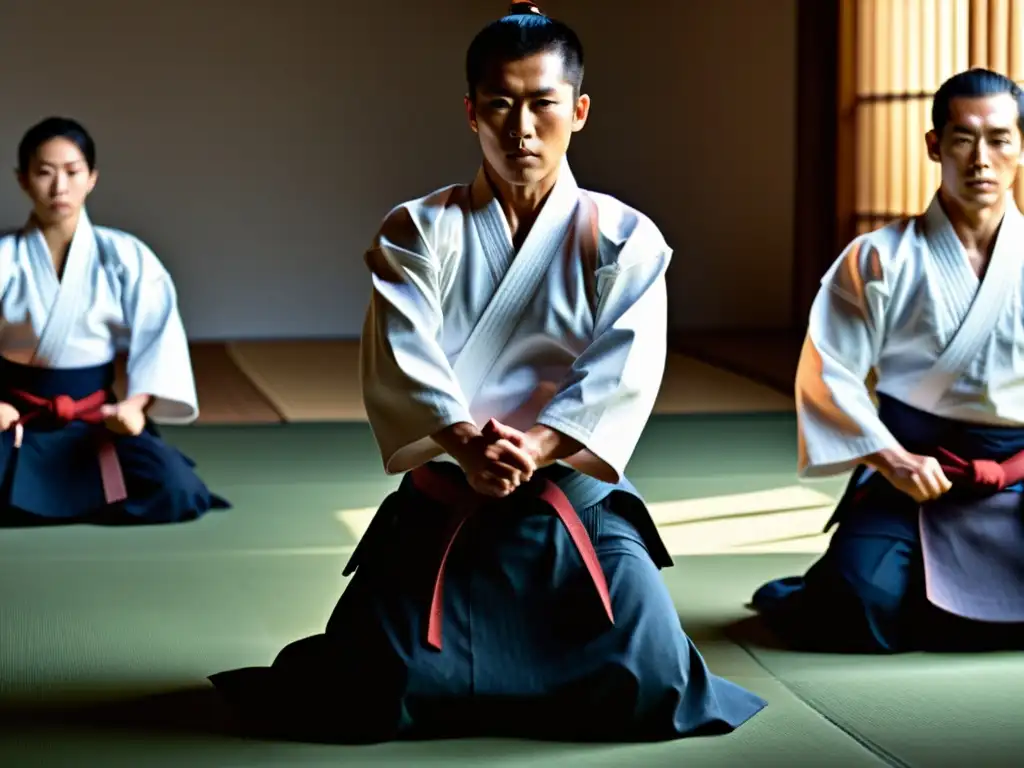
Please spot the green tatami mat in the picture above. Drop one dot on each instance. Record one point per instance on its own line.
(678, 457)
(92, 616)
(95, 631)
(290, 482)
(929, 710)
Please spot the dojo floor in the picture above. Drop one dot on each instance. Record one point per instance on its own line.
(106, 636)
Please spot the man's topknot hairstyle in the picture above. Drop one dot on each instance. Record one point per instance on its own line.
(524, 32)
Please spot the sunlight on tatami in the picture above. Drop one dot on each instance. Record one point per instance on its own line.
(788, 519)
(317, 380)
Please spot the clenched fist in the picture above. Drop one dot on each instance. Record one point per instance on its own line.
(124, 419)
(920, 477)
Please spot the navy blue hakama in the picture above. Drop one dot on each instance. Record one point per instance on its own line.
(56, 475)
(867, 593)
(528, 649)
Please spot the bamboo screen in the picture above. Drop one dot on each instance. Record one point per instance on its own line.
(894, 54)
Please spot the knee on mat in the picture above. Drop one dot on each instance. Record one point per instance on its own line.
(844, 615)
(160, 477)
(827, 610)
(648, 623)
(646, 617)
(309, 654)
(777, 593)
(880, 612)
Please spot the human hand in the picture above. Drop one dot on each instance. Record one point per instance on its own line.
(494, 465)
(9, 416)
(124, 419)
(920, 477)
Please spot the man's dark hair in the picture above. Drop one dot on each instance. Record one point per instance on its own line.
(972, 84)
(524, 32)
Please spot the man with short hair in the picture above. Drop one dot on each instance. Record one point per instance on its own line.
(929, 549)
(512, 352)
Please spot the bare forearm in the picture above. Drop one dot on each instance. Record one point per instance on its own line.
(454, 438)
(549, 445)
(141, 402)
(887, 460)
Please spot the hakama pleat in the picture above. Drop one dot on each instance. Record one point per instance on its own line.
(528, 650)
(877, 590)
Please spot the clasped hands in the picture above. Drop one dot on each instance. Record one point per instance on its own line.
(498, 458)
(124, 418)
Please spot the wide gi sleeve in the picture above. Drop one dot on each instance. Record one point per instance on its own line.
(158, 364)
(606, 400)
(838, 423)
(409, 389)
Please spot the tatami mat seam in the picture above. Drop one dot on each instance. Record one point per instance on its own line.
(255, 380)
(874, 748)
(729, 365)
(226, 347)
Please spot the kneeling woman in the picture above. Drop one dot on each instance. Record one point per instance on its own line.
(72, 297)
